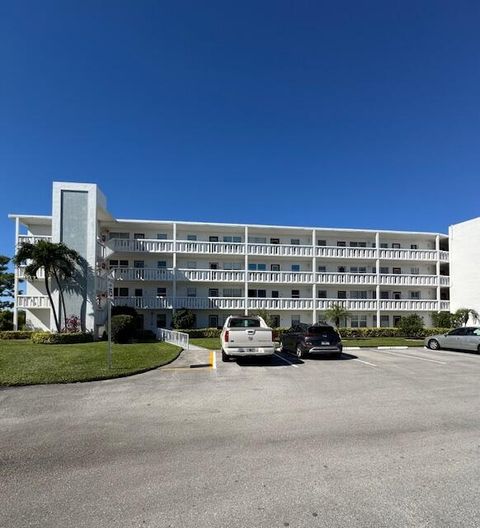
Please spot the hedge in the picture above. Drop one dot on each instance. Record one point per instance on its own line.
(47, 338)
(123, 328)
(346, 333)
(16, 334)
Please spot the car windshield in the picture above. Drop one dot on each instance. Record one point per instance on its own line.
(322, 330)
(244, 323)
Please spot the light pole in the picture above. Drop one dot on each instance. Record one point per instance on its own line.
(109, 318)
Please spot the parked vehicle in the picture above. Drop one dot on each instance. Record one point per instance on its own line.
(463, 338)
(303, 339)
(246, 336)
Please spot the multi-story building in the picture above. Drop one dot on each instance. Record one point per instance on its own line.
(216, 269)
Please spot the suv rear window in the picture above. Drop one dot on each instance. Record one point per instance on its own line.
(244, 323)
(322, 330)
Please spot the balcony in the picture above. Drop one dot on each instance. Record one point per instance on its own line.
(142, 274)
(21, 273)
(281, 277)
(413, 280)
(302, 304)
(119, 245)
(199, 275)
(346, 278)
(33, 301)
(32, 239)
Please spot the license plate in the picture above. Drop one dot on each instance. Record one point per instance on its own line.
(325, 342)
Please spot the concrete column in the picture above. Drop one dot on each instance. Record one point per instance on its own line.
(246, 271)
(174, 283)
(377, 265)
(15, 288)
(437, 247)
(314, 271)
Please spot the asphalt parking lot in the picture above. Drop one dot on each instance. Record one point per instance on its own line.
(376, 439)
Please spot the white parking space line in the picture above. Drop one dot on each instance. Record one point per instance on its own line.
(400, 354)
(286, 360)
(366, 362)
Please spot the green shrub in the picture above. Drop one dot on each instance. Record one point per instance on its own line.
(144, 336)
(47, 338)
(202, 332)
(123, 328)
(124, 310)
(411, 325)
(183, 318)
(16, 334)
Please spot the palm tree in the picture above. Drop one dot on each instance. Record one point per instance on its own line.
(336, 312)
(462, 315)
(59, 263)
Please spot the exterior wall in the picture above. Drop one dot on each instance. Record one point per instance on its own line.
(465, 265)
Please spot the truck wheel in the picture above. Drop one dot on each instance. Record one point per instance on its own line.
(225, 358)
(300, 353)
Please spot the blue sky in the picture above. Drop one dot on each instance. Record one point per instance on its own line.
(360, 114)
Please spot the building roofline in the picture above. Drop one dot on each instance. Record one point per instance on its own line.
(291, 227)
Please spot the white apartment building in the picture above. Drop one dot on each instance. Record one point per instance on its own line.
(217, 269)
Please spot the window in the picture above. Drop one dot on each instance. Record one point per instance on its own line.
(358, 295)
(342, 269)
(353, 269)
(232, 292)
(257, 240)
(395, 245)
(161, 236)
(161, 292)
(161, 263)
(384, 321)
(139, 236)
(358, 321)
(295, 241)
(413, 246)
(397, 271)
(191, 264)
(295, 294)
(114, 234)
(274, 294)
(274, 241)
(232, 239)
(138, 292)
(322, 294)
(120, 292)
(321, 242)
(397, 295)
(322, 269)
(212, 321)
(295, 267)
(362, 269)
(384, 271)
(213, 238)
(341, 294)
(275, 321)
(358, 244)
(396, 320)
(138, 263)
(341, 243)
(257, 267)
(213, 292)
(232, 266)
(123, 263)
(113, 263)
(192, 237)
(415, 271)
(274, 267)
(213, 265)
(118, 263)
(383, 245)
(257, 293)
(414, 295)
(191, 292)
(384, 295)
(161, 320)
(295, 320)
(243, 322)
(458, 331)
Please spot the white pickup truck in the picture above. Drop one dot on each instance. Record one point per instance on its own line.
(246, 335)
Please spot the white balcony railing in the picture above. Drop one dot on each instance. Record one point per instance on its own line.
(142, 274)
(283, 277)
(21, 273)
(346, 278)
(302, 304)
(281, 250)
(32, 239)
(33, 301)
(208, 275)
(409, 280)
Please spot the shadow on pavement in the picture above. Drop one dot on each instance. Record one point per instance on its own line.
(325, 357)
(271, 361)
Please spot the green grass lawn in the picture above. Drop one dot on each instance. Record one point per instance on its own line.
(25, 363)
(213, 343)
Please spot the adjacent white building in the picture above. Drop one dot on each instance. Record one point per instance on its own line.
(217, 269)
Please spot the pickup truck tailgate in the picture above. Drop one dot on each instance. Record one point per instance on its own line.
(249, 338)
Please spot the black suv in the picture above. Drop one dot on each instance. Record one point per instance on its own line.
(303, 339)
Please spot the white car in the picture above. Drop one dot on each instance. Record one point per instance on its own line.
(246, 335)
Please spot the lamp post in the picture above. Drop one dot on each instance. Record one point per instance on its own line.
(109, 318)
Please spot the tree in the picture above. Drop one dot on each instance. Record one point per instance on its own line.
(411, 325)
(336, 312)
(7, 281)
(59, 264)
(443, 319)
(183, 318)
(268, 318)
(462, 315)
